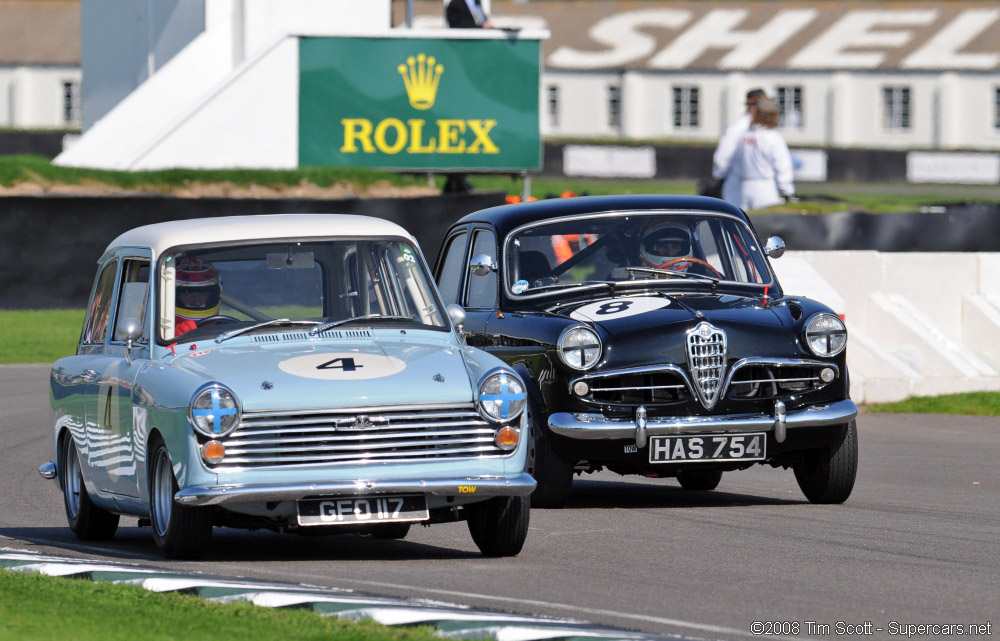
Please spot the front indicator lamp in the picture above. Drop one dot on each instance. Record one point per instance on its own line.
(213, 452)
(506, 438)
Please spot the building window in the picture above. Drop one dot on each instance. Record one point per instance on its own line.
(996, 108)
(71, 104)
(896, 108)
(686, 107)
(615, 107)
(552, 93)
(789, 101)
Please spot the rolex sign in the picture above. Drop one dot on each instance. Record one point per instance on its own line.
(419, 103)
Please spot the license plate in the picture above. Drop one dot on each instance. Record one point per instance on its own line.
(707, 447)
(362, 509)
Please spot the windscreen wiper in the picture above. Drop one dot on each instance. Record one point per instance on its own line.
(276, 321)
(343, 321)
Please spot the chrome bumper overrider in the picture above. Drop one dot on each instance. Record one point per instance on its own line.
(584, 426)
(519, 485)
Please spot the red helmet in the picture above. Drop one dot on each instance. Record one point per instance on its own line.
(663, 241)
(197, 291)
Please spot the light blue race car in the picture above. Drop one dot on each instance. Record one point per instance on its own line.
(291, 372)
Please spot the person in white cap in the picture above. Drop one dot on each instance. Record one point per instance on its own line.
(761, 171)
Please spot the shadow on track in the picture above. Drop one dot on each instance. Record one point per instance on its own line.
(632, 495)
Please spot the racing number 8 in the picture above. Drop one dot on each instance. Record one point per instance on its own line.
(614, 307)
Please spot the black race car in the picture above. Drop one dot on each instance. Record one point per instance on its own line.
(655, 340)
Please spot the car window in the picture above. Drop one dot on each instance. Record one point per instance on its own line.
(217, 289)
(133, 295)
(98, 315)
(453, 268)
(482, 291)
(614, 248)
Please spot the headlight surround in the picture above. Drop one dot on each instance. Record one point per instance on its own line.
(214, 410)
(579, 347)
(501, 396)
(825, 334)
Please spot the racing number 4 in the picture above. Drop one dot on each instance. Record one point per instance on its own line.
(346, 364)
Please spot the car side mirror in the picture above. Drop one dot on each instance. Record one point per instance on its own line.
(775, 247)
(482, 265)
(457, 315)
(129, 331)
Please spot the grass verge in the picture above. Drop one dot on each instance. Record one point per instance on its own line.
(38, 336)
(969, 404)
(35, 607)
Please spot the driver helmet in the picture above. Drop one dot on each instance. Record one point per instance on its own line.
(664, 241)
(197, 291)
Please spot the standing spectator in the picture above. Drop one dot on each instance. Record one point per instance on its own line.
(466, 14)
(730, 140)
(761, 169)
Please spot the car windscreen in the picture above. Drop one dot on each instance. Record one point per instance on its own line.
(617, 247)
(211, 290)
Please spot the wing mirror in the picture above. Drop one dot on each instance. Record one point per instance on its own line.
(129, 332)
(482, 265)
(775, 247)
(457, 315)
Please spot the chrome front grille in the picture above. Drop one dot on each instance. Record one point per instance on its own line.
(653, 385)
(706, 351)
(359, 435)
(767, 379)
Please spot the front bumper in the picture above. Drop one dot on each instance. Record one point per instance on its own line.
(482, 486)
(587, 426)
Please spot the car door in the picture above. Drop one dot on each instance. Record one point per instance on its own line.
(119, 414)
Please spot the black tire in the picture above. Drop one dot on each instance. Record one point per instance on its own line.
(826, 475)
(553, 473)
(180, 531)
(699, 480)
(390, 531)
(88, 522)
(499, 526)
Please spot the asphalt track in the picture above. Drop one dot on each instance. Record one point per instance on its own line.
(917, 543)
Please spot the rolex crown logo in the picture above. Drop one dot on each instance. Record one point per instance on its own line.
(421, 76)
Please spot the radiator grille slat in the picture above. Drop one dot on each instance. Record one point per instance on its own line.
(359, 435)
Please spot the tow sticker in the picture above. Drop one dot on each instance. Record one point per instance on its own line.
(619, 308)
(342, 366)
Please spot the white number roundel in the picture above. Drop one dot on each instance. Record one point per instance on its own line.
(618, 308)
(342, 366)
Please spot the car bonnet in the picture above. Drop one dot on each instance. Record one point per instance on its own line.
(394, 369)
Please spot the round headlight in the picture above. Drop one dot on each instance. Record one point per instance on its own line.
(579, 347)
(214, 411)
(826, 335)
(501, 396)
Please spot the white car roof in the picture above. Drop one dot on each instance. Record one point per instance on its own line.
(195, 231)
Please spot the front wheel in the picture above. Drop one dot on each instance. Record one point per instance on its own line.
(553, 473)
(826, 475)
(499, 526)
(88, 522)
(181, 532)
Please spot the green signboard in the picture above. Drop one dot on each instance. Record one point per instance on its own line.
(419, 103)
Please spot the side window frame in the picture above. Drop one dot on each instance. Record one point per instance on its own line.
(103, 289)
(460, 235)
(126, 261)
(474, 234)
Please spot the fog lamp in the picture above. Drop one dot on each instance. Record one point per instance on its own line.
(827, 375)
(580, 388)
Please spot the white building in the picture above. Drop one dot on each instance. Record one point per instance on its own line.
(900, 75)
(40, 64)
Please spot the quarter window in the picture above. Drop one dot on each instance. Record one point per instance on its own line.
(453, 268)
(133, 295)
(896, 108)
(98, 316)
(686, 107)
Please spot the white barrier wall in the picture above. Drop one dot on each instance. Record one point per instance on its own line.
(919, 324)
